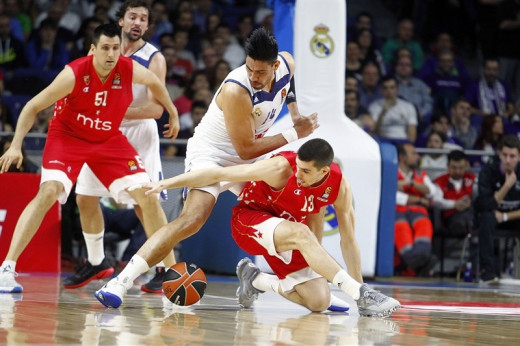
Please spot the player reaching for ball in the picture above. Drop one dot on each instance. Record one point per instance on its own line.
(277, 212)
(232, 132)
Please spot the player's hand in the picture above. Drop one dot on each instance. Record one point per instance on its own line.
(172, 128)
(151, 187)
(305, 125)
(510, 179)
(11, 156)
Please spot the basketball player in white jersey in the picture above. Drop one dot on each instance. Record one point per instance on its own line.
(232, 132)
(140, 127)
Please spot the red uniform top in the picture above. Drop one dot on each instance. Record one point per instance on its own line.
(94, 110)
(412, 190)
(293, 202)
(449, 191)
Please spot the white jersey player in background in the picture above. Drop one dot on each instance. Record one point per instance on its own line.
(141, 130)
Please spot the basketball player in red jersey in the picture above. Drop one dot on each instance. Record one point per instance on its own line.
(92, 95)
(277, 212)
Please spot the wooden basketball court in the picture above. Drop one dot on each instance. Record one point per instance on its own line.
(439, 313)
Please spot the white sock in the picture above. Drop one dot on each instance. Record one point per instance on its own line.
(133, 269)
(266, 282)
(160, 264)
(10, 264)
(347, 284)
(95, 249)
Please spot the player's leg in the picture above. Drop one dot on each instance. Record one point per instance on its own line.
(26, 227)
(313, 294)
(93, 227)
(196, 210)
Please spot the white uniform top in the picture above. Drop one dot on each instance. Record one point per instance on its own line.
(266, 107)
(141, 133)
(211, 145)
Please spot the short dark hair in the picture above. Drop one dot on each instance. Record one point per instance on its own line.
(261, 45)
(317, 150)
(437, 116)
(457, 155)
(108, 29)
(388, 78)
(120, 14)
(510, 141)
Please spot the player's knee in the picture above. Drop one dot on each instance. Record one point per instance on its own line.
(319, 302)
(303, 236)
(50, 191)
(86, 202)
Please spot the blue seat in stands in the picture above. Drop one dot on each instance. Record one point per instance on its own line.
(15, 104)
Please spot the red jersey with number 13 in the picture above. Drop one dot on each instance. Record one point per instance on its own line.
(94, 110)
(293, 202)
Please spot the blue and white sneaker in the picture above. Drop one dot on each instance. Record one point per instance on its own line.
(111, 295)
(7, 282)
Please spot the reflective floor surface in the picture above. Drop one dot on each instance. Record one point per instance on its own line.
(433, 313)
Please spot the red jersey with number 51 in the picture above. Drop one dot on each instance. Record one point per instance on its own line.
(293, 202)
(94, 110)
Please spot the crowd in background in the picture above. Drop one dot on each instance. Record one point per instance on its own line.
(449, 78)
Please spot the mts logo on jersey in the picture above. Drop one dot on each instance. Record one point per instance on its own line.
(97, 124)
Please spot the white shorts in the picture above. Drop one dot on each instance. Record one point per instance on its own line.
(201, 155)
(144, 137)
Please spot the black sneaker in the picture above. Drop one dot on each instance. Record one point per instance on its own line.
(87, 273)
(155, 284)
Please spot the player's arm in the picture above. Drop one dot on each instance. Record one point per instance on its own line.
(315, 223)
(273, 171)
(142, 75)
(62, 85)
(346, 223)
(152, 109)
(237, 107)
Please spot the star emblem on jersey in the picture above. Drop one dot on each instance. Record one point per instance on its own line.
(297, 192)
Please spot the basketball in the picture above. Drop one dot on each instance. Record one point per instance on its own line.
(184, 284)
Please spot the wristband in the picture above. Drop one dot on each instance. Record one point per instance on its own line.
(504, 217)
(290, 135)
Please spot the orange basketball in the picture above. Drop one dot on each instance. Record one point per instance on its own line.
(184, 284)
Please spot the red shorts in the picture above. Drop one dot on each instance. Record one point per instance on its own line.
(109, 160)
(254, 235)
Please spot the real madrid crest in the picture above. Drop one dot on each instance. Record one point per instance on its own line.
(257, 111)
(322, 44)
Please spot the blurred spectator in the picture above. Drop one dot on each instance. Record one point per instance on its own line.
(41, 126)
(351, 83)
(12, 50)
(413, 89)
(357, 113)
(353, 64)
(178, 70)
(6, 121)
(434, 163)
(446, 82)
(461, 127)
(69, 22)
(161, 21)
(264, 17)
(491, 133)
(45, 51)
(199, 81)
(213, 20)
(369, 89)
(218, 74)
(413, 227)
(368, 50)
(12, 9)
(513, 125)
(209, 58)
(244, 28)
(508, 47)
(27, 165)
(184, 21)
(455, 189)
(84, 38)
(404, 38)
(189, 121)
(363, 21)
(489, 95)
(439, 122)
(234, 53)
(180, 41)
(498, 203)
(395, 119)
(201, 10)
(431, 64)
